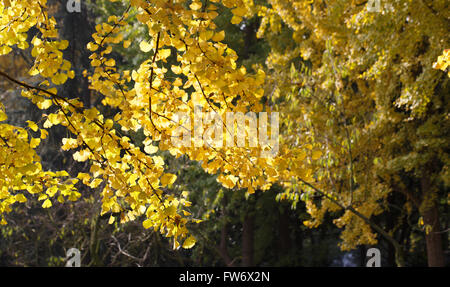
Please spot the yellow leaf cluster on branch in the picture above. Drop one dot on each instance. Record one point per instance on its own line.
(132, 180)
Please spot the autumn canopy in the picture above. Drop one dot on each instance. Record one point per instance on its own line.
(361, 98)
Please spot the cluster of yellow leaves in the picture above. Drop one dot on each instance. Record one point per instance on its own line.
(206, 78)
(132, 180)
(443, 62)
(21, 170)
(19, 163)
(17, 18)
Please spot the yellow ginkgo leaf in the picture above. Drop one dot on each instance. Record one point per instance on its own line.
(206, 35)
(239, 11)
(228, 181)
(126, 44)
(54, 119)
(33, 126)
(189, 242)
(47, 203)
(163, 53)
(110, 62)
(20, 198)
(34, 142)
(176, 69)
(45, 104)
(3, 116)
(195, 5)
(150, 149)
(44, 134)
(59, 79)
(219, 36)
(63, 45)
(316, 154)
(145, 46)
(168, 179)
(96, 182)
(92, 47)
(81, 155)
(60, 199)
(236, 20)
(147, 223)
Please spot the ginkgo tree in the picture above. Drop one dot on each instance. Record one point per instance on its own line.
(132, 180)
(360, 85)
(334, 107)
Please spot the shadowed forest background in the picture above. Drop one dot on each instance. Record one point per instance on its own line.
(378, 143)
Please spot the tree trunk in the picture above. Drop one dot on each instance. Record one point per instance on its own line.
(435, 253)
(94, 243)
(247, 241)
(284, 231)
(430, 213)
(223, 250)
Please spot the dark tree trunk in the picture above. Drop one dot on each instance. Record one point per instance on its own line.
(430, 213)
(390, 224)
(247, 241)
(435, 252)
(77, 28)
(284, 232)
(223, 249)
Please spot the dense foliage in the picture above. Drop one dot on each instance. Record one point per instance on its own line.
(95, 161)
